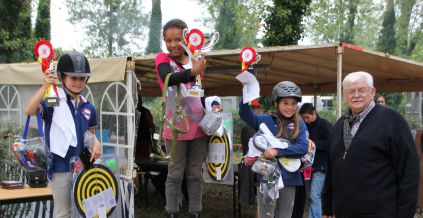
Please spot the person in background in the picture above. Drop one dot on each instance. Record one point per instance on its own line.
(287, 124)
(144, 146)
(145, 132)
(373, 168)
(65, 125)
(191, 147)
(381, 100)
(319, 130)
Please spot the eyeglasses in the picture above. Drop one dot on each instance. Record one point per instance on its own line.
(352, 92)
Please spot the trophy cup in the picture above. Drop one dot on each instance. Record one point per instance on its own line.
(44, 53)
(194, 45)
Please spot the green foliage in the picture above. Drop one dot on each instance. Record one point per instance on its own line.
(328, 19)
(155, 26)
(393, 100)
(226, 25)
(348, 34)
(329, 115)
(42, 25)
(386, 41)
(418, 50)
(413, 122)
(283, 24)
(267, 103)
(112, 27)
(238, 125)
(9, 166)
(244, 17)
(403, 25)
(154, 105)
(15, 31)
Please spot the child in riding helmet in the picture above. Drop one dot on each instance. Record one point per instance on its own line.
(283, 123)
(66, 124)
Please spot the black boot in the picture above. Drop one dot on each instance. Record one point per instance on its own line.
(171, 215)
(194, 215)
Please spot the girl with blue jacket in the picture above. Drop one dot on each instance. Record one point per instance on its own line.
(283, 123)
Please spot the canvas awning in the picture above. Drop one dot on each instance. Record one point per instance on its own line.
(103, 70)
(314, 68)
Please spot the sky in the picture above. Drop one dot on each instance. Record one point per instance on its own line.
(69, 37)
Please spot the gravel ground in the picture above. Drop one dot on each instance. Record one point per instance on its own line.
(217, 203)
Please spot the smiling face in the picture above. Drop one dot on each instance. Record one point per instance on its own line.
(74, 83)
(287, 106)
(172, 37)
(358, 95)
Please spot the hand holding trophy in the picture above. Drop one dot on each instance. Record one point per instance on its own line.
(44, 52)
(194, 44)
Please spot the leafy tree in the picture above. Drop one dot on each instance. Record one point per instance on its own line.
(386, 41)
(42, 25)
(15, 31)
(245, 21)
(112, 27)
(155, 28)
(334, 21)
(283, 24)
(347, 35)
(226, 25)
(403, 24)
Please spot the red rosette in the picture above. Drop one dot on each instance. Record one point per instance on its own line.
(44, 49)
(195, 39)
(247, 55)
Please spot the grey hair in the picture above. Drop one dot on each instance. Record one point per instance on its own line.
(356, 76)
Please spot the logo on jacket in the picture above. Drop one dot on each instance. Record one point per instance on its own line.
(86, 113)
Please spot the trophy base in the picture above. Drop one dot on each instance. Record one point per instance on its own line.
(52, 101)
(196, 92)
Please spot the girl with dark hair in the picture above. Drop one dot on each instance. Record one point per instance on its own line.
(191, 147)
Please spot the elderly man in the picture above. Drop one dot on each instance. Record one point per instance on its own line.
(373, 168)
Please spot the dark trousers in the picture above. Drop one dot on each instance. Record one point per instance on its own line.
(301, 195)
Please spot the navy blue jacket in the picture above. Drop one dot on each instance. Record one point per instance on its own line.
(84, 116)
(298, 148)
(319, 131)
(379, 174)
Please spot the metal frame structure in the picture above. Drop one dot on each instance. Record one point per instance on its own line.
(8, 95)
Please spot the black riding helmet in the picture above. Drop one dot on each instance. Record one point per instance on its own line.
(73, 64)
(286, 89)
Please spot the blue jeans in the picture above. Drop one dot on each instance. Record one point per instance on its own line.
(317, 182)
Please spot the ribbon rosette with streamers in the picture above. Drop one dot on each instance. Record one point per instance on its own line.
(44, 53)
(247, 57)
(43, 50)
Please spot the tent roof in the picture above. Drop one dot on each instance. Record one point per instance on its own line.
(103, 70)
(313, 68)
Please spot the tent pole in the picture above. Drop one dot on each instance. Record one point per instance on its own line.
(130, 72)
(315, 89)
(339, 51)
